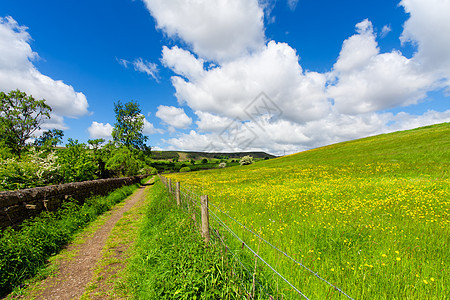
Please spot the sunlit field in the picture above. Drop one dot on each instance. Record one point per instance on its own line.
(370, 216)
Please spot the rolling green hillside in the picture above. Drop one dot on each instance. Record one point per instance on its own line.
(371, 216)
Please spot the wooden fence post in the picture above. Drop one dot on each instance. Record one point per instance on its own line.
(170, 185)
(205, 218)
(177, 193)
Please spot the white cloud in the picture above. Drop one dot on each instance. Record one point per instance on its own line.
(316, 109)
(100, 131)
(292, 4)
(151, 69)
(227, 90)
(211, 122)
(369, 81)
(384, 32)
(18, 72)
(140, 65)
(150, 129)
(173, 116)
(428, 27)
(182, 62)
(216, 30)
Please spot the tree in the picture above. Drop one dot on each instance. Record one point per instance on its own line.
(76, 162)
(246, 160)
(20, 117)
(51, 137)
(129, 125)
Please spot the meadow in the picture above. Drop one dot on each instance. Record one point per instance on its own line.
(370, 216)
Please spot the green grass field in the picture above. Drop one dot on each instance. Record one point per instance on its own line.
(370, 216)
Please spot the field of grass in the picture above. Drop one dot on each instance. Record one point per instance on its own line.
(371, 216)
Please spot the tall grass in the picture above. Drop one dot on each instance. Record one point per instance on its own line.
(24, 251)
(370, 216)
(171, 260)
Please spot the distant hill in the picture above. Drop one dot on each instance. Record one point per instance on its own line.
(187, 155)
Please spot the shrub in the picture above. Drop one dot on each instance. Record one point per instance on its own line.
(246, 160)
(185, 169)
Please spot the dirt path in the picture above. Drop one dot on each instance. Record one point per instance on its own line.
(74, 274)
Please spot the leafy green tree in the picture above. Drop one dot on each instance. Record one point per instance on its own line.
(123, 161)
(100, 153)
(129, 125)
(20, 117)
(51, 137)
(76, 162)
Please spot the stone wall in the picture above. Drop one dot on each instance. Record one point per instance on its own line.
(17, 206)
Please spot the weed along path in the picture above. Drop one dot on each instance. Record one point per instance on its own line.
(85, 268)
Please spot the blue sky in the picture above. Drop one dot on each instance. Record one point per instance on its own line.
(330, 70)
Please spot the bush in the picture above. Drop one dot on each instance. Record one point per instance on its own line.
(185, 169)
(246, 160)
(36, 168)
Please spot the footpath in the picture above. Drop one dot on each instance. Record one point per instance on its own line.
(89, 268)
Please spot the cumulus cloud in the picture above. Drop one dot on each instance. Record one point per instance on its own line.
(369, 81)
(150, 129)
(182, 62)
(100, 130)
(18, 72)
(428, 27)
(216, 30)
(310, 109)
(274, 70)
(173, 116)
(210, 122)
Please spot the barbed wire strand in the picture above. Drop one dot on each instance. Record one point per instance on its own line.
(284, 253)
(276, 248)
(260, 258)
(237, 258)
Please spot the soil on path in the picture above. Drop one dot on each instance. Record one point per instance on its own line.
(73, 275)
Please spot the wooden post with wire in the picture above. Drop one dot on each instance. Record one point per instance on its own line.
(205, 218)
(177, 193)
(170, 185)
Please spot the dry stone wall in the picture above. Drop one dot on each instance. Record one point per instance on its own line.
(17, 206)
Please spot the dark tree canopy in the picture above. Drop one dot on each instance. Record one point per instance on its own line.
(129, 125)
(20, 117)
(51, 137)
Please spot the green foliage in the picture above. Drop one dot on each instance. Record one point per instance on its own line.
(185, 169)
(246, 160)
(20, 117)
(171, 260)
(204, 161)
(51, 137)
(36, 168)
(129, 125)
(76, 162)
(24, 251)
(124, 162)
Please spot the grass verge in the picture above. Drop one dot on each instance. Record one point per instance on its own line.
(24, 252)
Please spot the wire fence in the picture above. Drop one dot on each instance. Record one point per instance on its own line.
(256, 273)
